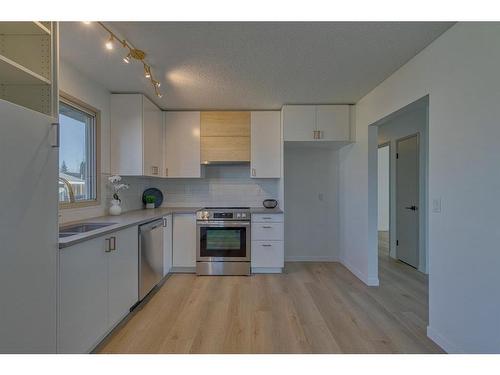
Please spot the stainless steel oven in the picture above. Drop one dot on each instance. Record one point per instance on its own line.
(223, 241)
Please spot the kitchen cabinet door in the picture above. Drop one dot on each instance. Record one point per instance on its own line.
(268, 254)
(182, 144)
(167, 244)
(126, 134)
(152, 139)
(123, 276)
(83, 296)
(265, 127)
(184, 241)
(333, 122)
(299, 122)
(136, 136)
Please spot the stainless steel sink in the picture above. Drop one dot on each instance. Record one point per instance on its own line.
(71, 230)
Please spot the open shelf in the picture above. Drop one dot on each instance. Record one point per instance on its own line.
(23, 28)
(12, 73)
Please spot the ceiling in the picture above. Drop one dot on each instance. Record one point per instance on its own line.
(253, 65)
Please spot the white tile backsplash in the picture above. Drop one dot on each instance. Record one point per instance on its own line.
(223, 185)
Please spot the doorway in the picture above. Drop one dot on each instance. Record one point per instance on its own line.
(407, 200)
(383, 191)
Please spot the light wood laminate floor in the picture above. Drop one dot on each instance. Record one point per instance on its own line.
(311, 308)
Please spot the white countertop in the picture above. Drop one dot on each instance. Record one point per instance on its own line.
(136, 217)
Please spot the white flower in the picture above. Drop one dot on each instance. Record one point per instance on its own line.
(114, 179)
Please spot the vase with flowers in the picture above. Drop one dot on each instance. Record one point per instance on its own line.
(116, 187)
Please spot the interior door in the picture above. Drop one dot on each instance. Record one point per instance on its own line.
(28, 231)
(407, 199)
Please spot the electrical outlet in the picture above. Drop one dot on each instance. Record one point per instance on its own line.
(436, 205)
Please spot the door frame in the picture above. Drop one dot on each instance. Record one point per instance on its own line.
(387, 144)
(417, 134)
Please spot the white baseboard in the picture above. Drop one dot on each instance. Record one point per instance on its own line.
(267, 270)
(370, 281)
(183, 270)
(444, 343)
(311, 258)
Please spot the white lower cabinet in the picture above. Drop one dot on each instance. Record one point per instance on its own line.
(122, 274)
(268, 253)
(184, 242)
(98, 283)
(167, 244)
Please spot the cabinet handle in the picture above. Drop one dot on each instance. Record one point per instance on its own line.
(266, 245)
(164, 222)
(154, 170)
(58, 134)
(166, 172)
(107, 248)
(266, 227)
(253, 172)
(113, 242)
(266, 218)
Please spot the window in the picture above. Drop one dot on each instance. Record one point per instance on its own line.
(78, 154)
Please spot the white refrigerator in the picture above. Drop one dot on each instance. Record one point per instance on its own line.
(28, 230)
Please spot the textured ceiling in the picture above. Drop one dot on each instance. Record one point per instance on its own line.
(215, 65)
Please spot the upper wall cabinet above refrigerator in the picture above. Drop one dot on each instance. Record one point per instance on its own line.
(317, 123)
(136, 136)
(28, 65)
(265, 139)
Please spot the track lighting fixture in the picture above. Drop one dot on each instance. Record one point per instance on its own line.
(109, 43)
(133, 54)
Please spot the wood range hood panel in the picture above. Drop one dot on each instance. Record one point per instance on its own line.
(225, 137)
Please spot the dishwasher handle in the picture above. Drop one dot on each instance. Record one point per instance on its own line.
(151, 225)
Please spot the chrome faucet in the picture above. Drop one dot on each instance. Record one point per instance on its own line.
(71, 193)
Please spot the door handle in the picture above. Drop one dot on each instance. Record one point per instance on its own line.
(413, 208)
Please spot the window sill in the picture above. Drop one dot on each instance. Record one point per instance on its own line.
(83, 204)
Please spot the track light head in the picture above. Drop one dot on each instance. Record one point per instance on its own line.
(109, 43)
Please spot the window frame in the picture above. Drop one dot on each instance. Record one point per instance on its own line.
(84, 107)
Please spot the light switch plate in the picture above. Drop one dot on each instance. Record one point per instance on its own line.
(436, 205)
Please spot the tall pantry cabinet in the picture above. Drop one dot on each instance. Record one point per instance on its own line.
(28, 192)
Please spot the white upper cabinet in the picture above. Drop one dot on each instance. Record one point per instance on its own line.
(265, 128)
(136, 136)
(316, 123)
(299, 122)
(182, 144)
(332, 122)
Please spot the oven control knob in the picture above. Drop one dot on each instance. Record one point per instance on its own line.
(238, 216)
(243, 215)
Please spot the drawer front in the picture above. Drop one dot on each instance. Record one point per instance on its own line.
(268, 254)
(267, 218)
(267, 231)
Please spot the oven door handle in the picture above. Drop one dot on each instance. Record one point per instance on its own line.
(224, 224)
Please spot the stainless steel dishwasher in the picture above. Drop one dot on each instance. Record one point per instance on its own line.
(150, 256)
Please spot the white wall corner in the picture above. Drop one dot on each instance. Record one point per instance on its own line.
(443, 342)
(368, 280)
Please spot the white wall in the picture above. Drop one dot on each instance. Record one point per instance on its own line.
(76, 84)
(383, 189)
(460, 73)
(411, 121)
(311, 194)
